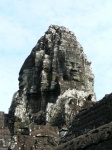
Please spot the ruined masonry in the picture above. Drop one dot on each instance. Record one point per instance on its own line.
(55, 106)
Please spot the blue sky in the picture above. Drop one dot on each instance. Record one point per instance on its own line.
(22, 23)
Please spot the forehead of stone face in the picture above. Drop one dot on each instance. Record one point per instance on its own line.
(73, 63)
(72, 97)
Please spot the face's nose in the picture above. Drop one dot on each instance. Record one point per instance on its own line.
(74, 69)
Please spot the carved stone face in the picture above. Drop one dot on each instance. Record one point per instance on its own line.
(46, 63)
(73, 70)
(69, 104)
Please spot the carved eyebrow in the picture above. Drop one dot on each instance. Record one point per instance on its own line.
(79, 66)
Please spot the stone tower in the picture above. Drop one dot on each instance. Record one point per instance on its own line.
(56, 65)
(55, 106)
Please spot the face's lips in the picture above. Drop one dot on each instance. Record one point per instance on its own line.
(74, 73)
